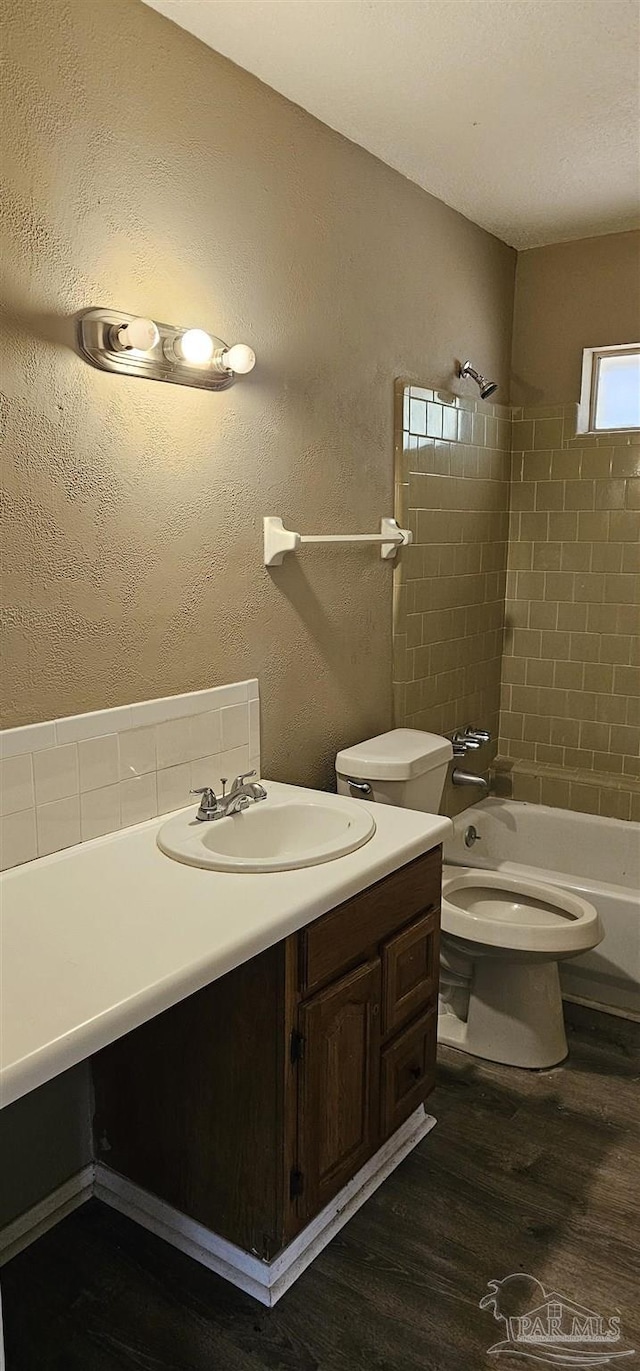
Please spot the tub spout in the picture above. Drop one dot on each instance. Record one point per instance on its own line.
(469, 778)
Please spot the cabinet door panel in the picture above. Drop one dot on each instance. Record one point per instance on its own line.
(410, 966)
(339, 1084)
(408, 1071)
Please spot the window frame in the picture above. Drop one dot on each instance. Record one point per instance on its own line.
(591, 359)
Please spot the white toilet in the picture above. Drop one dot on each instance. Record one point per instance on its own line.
(502, 936)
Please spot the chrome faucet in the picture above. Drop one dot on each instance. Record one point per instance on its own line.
(477, 735)
(208, 808)
(242, 792)
(462, 743)
(459, 777)
(469, 740)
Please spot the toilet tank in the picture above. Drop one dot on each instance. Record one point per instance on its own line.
(404, 767)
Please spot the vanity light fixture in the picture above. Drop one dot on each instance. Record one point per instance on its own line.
(114, 341)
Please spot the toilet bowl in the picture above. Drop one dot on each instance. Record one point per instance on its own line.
(502, 936)
(502, 939)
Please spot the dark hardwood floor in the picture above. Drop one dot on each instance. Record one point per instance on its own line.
(532, 1172)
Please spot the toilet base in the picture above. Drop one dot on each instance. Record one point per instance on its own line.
(514, 1015)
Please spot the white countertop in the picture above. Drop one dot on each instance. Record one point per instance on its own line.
(101, 937)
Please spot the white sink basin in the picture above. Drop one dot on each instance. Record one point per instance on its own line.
(270, 836)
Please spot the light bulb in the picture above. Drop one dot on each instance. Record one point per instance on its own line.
(239, 358)
(195, 347)
(140, 334)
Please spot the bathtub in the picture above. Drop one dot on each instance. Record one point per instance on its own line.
(596, 858)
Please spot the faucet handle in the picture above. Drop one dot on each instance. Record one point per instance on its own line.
(208, 802)
(465, 741)
(480, 735)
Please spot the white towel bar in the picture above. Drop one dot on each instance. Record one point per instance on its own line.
(278, 540)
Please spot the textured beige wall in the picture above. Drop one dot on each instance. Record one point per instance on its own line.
(143, 170)
(571, 296)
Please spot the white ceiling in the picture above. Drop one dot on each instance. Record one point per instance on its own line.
(522, 114)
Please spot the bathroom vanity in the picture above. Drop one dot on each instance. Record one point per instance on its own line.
(251, 1104)
(262, 1044)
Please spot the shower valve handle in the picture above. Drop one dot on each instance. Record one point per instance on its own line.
(466, 742)
(479, 735)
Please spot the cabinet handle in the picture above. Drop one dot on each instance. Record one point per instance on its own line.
(416, 1072)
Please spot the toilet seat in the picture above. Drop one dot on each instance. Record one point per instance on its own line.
(513, 912)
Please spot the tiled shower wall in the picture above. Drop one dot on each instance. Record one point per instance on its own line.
(570, 721)
(452, 490)
(568, 728)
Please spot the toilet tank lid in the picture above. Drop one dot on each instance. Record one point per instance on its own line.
(396, 756)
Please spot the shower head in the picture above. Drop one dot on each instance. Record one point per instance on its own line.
(485, 387)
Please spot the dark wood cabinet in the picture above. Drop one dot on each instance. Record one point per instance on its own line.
(339, 1084)
(410, 966)
(408, 1070)
(252, 1103)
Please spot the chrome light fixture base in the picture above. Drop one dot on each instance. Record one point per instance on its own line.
(98, 329)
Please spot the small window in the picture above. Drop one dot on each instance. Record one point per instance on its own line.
(610, 397)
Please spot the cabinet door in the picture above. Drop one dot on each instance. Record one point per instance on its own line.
(410, 966)
(339, 1096)
(408, 1071)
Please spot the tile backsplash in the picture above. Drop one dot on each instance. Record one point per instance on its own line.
(70, 780)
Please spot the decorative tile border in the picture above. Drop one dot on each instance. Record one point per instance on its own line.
(561, 787)
(69, 780)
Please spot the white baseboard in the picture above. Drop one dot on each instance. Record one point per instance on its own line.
(15, 1236)
(266, 1281)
